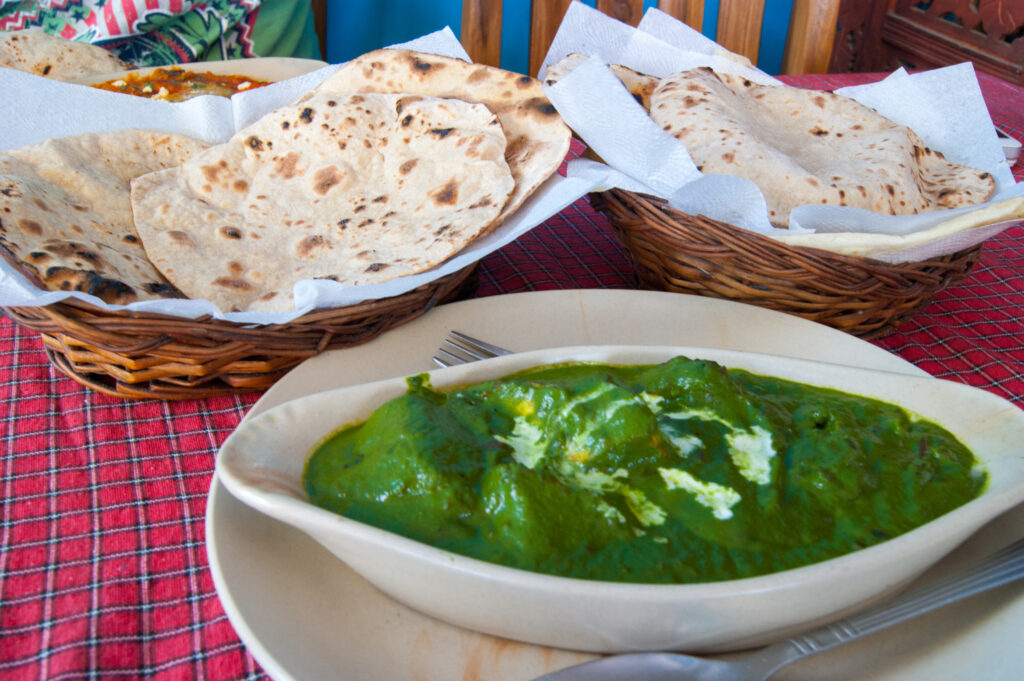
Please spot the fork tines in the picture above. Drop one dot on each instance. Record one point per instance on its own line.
(458, 348)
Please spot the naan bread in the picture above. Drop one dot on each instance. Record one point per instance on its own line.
(538, 139)
(41, 54)
(65, 212)
(640, 85)
(358, 188)
(805, 146)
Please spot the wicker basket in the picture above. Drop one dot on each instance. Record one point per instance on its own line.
(140, 354)
(674, 251)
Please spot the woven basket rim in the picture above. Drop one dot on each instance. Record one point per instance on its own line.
(675, 251)
(139, 353)
(663, 204)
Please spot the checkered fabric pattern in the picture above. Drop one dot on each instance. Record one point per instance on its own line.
(103, 568)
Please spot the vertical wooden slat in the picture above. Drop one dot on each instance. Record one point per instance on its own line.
(481, 30)
(690, 12)
(812, 32)
(808, 46)
(626, 11)
(545, 16)
(320, 23)
(739, 26)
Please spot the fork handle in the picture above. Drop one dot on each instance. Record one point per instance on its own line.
(1000, 568)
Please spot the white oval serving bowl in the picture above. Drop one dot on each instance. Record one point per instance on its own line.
(262, 462)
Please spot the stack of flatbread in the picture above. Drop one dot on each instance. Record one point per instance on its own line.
(390, 167)
(49, 56)
(800, 146)
(65, 212)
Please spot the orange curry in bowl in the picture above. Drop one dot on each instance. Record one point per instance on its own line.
(176, 84)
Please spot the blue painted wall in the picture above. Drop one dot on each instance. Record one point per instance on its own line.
(358, 26)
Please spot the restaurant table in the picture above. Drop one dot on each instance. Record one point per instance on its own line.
(103, 566)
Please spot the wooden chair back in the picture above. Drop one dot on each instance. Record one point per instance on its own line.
(812, 28)
(320, 22)
(882, 36)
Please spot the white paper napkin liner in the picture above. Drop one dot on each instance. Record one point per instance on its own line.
(667, 28)
(946, 109)
(443, 42)
(702, 196)
(647, 153)
(599, 113)
(669, 47)
(584, 33)
(687, 43)
(892, 248)
(834, 219)
(594, 103)
(34, 109)
(952, 235)
(939, 247)
(15, 290)
(552, 197)
(251, 105)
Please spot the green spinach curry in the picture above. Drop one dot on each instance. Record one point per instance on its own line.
(675, 473)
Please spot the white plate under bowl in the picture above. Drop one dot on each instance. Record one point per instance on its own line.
(263, 461)
(270, 69)
(306, 616)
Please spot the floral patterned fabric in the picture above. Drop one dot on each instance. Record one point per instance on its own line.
(156, 32)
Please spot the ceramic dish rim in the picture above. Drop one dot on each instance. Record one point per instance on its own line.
(964, 519)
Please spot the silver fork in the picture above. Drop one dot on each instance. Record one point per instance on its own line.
(458, 348)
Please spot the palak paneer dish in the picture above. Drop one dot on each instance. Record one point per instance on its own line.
(681, 472)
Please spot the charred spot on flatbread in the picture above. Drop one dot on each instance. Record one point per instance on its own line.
(36, 52)
(67, 221)
(325, 178)
(809, 147)
(524, 113)
(384, 185)
(233, 283)
(447, 194)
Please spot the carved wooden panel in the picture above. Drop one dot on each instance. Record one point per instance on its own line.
(922, 34)
(857, 35)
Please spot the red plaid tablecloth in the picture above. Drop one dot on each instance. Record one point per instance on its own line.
(103, 568)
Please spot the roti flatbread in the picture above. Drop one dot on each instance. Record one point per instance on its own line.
(65, 212)
(806, 146)
(538, 139)
(42, 54)
(358, 188)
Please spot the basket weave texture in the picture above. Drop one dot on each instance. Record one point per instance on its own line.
(673, 251)
(145, 355)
